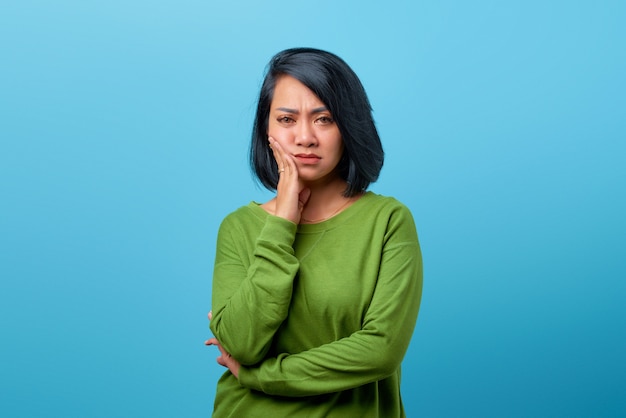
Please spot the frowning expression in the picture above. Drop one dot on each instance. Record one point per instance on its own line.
(305, 128)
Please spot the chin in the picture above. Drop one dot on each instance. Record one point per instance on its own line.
(319, 179)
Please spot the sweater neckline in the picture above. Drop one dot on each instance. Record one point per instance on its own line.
(329, 223)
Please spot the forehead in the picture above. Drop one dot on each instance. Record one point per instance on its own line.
(290, 90)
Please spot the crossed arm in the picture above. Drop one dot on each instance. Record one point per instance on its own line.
(369, 354)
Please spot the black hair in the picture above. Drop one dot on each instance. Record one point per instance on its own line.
(341, 91)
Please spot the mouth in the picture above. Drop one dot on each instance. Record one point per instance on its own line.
(308, 158)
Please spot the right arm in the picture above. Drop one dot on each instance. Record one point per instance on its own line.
(250, 301)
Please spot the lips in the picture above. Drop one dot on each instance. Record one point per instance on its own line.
(308, 158)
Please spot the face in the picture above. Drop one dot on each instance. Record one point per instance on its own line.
(306, 130)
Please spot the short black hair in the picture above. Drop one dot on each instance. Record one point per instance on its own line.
(341, 91)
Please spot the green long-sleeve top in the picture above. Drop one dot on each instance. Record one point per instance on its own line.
(319, 315)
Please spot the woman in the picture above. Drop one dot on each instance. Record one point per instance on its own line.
(316, 292)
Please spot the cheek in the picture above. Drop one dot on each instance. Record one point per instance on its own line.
(339, 145)
(279, 134)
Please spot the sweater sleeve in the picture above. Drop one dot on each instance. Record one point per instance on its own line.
(370, 354)
(251, 297)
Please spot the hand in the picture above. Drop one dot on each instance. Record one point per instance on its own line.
(224, 359)
(291, 195)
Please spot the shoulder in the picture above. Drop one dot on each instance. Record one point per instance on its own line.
(386, 205)
(388, 213)
(244, 216)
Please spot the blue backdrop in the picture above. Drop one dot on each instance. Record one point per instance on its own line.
(124, 128)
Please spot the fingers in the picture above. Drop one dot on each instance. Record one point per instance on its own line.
(225, 359)
(212, 341)
(224, 356)
(303, 198)
(210, 315)
(277, 152)
(290, 194)
(215, 342)
(284, 162)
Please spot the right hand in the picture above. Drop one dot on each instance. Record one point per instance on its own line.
(291, 195)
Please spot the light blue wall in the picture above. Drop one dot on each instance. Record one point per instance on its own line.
(124, 128)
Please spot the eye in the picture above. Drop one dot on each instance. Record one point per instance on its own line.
(324, 120)
(285, 119)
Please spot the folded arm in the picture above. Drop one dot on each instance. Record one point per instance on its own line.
(370, 354)
(251, 297)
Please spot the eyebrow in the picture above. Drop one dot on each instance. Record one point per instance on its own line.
(295, 111)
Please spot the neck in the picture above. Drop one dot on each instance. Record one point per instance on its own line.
(326, 202)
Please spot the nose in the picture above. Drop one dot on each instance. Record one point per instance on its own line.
(305, 137)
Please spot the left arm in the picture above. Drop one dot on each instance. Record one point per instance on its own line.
(370, 354)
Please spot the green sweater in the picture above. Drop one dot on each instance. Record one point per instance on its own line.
(319, 315)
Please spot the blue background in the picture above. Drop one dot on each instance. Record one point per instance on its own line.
(124, 129)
